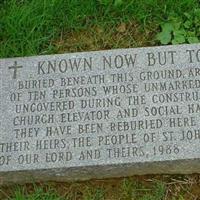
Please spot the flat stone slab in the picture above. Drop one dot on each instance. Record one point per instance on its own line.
(100, 114)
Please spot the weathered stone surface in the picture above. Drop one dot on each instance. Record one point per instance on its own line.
(100, 114)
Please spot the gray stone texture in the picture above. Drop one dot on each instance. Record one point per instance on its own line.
(100, 114)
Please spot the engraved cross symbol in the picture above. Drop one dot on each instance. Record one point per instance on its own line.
(15, 67)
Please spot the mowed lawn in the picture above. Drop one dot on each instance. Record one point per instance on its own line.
(38, 27)
(32, 27)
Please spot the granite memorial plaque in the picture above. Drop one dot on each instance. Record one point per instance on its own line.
(100, 114)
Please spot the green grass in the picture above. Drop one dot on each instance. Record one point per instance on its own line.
(31, 27)
(164, 187)
(37, 194)
(128, 190)
(137, 191)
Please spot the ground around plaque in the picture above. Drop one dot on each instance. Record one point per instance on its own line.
(56, 26)
(127, 189)
(155, 187)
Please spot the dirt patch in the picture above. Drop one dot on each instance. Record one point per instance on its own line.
(123, 35)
